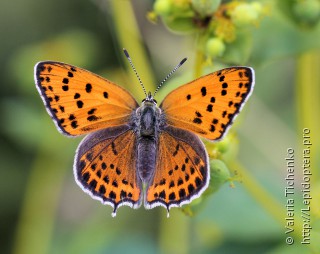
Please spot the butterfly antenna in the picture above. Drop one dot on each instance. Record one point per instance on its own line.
(135, 71)
(168, 76)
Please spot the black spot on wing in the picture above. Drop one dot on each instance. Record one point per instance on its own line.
(88, 88)
(203, 91)
(197, 120)
(79, 104)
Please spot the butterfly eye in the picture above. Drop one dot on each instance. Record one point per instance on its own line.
(150, 99)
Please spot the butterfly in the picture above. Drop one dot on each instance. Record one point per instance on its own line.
(142, 154)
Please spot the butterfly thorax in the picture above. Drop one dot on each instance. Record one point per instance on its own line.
(148, 119)
(147, 131)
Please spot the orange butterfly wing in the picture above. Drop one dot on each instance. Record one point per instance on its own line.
(80, 101)
(182, 169)
(105, 167)
(208, 105)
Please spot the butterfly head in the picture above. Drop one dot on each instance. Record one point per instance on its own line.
(149, 99)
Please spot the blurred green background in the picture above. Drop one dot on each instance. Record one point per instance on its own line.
(42, 208)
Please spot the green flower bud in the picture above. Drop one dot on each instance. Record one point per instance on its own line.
(162, 7)
(179, 24)
(224, 145)
(307, 11)
(215, 47)
(205, 7)
(219, 175)
(182, 9)
(181, 5)
(244, 14)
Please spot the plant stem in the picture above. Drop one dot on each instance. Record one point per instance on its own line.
(198, 64)
(36, 223)
(308, 105)
(260, 194)
(271, 205)
(129, 37)
(174, 232)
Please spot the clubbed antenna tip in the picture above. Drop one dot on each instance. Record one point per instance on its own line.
(126, 53)
(183, 60)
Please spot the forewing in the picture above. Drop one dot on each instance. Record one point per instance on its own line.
(182, 169)
(208, 105)
(105, 167)
(80, 101)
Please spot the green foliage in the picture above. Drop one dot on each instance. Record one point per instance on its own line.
(205, 7)
(219, 175)
(246, 14)
(305, 13)
(218, 26)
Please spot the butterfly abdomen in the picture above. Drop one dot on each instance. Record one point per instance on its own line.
(146, 149)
